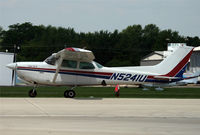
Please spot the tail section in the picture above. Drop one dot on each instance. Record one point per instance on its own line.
(171, 67)
(175, 64)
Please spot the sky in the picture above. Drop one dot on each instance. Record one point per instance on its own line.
(94, 15)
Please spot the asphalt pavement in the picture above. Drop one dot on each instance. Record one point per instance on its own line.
(107, 116)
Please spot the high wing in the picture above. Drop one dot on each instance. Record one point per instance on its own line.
(77, 54)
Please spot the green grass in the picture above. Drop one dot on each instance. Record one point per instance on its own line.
(102, 92)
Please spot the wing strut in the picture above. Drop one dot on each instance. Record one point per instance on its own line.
(57, 69)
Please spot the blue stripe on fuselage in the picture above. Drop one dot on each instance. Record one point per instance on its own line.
(69, 73)
(162, 81)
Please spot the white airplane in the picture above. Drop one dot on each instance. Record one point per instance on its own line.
(75, 67)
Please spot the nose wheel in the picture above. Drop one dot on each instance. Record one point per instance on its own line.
(69, 94)
(32, 93)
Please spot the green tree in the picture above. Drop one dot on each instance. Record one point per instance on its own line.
(193, 41)
(124, 48)
(150, 35)
(17, 34)
(1, 31)
(129, 46)
(165, 37)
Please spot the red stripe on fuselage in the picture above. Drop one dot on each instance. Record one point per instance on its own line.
(37, 68)
(62, 70)
(87, 72)
(150, 77)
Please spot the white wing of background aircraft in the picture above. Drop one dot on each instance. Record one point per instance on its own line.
(188, 78)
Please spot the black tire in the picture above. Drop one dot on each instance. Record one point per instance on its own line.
(69, 94)
(66, 93)
(32, 93)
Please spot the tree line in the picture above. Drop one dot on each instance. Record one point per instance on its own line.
(117, 48)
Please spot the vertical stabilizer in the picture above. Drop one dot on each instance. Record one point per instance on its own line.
(175, 64)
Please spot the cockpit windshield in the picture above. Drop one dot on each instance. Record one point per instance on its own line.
(98, 65)
(51, 60)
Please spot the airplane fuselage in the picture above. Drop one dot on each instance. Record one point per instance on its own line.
(75, 67)
(43, 73)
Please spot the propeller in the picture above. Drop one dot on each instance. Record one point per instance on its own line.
(13, 65)
(13, 76)
(14, 70)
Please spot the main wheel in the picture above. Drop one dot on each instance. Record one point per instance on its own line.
(66, 93)
(32, 93)
(69, 94)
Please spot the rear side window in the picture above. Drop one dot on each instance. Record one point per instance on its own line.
(86, 65)
(69, 63)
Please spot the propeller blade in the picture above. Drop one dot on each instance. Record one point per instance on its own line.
(14, 71)
(13, 75)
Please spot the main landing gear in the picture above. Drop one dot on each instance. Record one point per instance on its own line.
(70, 93)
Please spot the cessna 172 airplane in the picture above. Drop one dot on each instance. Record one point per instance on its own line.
(75, 67)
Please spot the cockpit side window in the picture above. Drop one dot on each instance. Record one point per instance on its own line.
(86, 65)
(69, 64)
(51, 60)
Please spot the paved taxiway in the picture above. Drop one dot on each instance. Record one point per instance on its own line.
(60, 116)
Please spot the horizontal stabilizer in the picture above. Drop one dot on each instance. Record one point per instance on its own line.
(165, 78)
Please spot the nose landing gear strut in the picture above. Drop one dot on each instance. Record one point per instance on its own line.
(33, 92)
